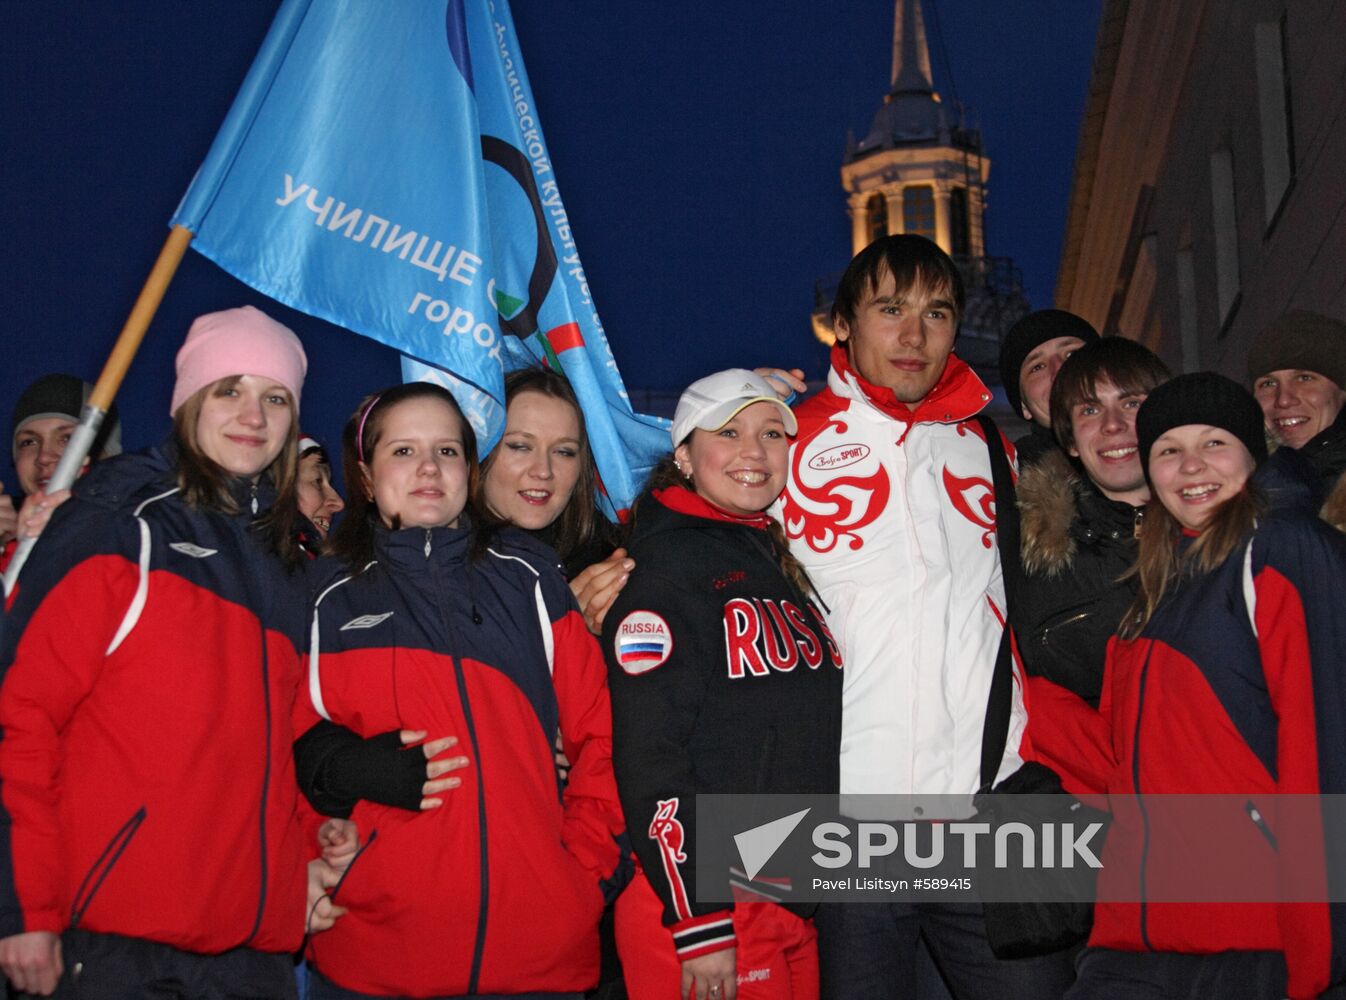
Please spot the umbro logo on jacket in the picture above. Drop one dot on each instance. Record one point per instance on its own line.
(366, 621)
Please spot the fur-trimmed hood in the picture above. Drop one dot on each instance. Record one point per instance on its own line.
(1060, 511)
(1048, 494)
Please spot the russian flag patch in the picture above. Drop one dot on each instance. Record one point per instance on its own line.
(643, 642)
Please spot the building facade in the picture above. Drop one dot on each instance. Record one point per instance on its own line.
(1209, 192)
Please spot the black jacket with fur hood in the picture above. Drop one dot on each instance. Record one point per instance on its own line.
(1076, 544)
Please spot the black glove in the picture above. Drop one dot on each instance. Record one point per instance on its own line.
(336, 769)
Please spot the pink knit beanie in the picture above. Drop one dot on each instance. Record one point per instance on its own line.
(243, 341)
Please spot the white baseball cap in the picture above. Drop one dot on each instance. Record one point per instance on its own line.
(711, 402)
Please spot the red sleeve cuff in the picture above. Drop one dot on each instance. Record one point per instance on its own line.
(704, 934)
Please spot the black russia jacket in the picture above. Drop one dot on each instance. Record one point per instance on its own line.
(725, 679)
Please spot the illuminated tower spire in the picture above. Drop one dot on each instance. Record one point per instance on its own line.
(920, 169)
(911, 54)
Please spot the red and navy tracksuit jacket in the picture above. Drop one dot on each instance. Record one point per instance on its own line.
(500, 889)
(150, 670)
(725, 679)
(1236, 687)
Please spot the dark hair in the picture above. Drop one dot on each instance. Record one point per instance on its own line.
(320, 451)
(1158, 563)
(666, 475)
(578, 524)
(1131, 367)
(205, 486)
(912, 260)
(353, 540)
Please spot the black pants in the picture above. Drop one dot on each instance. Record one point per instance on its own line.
(112, 967)
(868, 951)
(1230, 975)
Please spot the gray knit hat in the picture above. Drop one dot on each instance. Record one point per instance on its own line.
(1302, 340)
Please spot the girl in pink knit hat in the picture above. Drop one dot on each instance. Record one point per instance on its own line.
(149, 662)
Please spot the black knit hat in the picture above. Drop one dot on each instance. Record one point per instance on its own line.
(1200, 398)
(1026, 335)
(64, 396)
(1304, 341)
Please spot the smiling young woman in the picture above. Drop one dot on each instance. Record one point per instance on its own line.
(154, 637)
(724, 679)
(1217, 686)
(541, 476)
(445, 663)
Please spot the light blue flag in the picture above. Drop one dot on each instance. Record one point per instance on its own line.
(383, 168)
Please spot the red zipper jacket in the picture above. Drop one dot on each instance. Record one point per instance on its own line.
(150, 669)
(1234, 688)
(500, 889)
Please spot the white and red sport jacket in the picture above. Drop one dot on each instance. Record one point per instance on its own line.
(892, 512)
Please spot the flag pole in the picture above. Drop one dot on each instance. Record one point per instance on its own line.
(114, 371)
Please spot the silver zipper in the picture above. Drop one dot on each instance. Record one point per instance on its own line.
(1069, 621)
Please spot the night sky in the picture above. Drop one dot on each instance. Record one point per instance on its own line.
(697, 148)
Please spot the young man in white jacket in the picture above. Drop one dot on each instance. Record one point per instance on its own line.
(890, 506)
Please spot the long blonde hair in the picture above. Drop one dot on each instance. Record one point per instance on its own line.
(1159, 564)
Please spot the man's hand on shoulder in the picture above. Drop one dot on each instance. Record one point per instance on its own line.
(788, 382)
